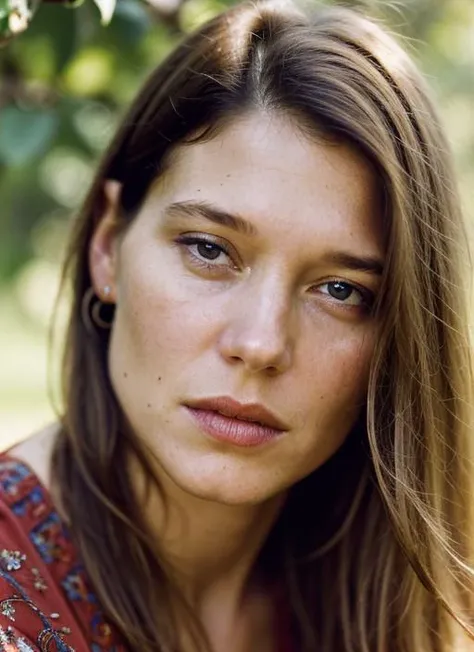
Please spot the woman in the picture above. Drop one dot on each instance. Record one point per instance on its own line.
(266, 436)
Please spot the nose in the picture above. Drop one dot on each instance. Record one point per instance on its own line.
(258, 329)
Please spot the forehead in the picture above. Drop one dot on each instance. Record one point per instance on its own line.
(263, 168)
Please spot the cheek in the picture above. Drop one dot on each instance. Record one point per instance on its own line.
(347, 369)
(158, 330)
(145, 335)
(149, 312)
(335, 384)
(332, 395)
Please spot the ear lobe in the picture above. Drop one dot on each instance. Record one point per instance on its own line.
(112, 190)
(103, 245)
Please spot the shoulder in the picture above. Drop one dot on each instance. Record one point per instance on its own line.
(30, 527)
(45, 594)
(33, 548)
(36, 452)
(29, 520)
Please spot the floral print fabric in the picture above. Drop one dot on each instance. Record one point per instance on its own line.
(46, 603)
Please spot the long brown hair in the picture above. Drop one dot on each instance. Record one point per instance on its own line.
(386, 565)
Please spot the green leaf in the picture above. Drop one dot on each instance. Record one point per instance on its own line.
(4, 25)
(106, 8)
(59, 26)
(4, 8)
(4, 28)
(130, 24)
(25, 135)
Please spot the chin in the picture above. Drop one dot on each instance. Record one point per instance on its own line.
(228, 486)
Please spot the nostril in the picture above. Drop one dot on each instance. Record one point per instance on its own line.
(272, 371)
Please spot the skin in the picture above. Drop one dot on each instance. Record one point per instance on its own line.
(261, 325)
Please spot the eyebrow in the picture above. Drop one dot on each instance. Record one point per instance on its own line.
(369, 264)
(202, 209)
(209, 212)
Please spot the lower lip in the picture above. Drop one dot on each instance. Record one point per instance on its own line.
(233, 431)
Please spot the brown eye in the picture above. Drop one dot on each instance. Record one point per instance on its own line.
(340, 291)
(204, 253)
(208, 250)
(347, 294)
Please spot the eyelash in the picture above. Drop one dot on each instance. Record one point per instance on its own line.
(367, 298)
(188, 241)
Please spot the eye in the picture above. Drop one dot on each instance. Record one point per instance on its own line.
(346, 293)
(205, 253)
(208, 250)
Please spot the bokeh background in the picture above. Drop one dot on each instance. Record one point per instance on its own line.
(65, 82)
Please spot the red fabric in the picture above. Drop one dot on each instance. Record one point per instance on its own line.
(46, 601)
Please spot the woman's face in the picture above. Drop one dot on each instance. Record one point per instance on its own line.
(248, 275)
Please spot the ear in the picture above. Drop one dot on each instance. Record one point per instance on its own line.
(103, 246)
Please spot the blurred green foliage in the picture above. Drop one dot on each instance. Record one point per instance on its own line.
(65, 81)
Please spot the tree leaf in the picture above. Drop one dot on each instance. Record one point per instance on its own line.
(4, 8)
(106, 8)
(25, 134)
(130, 24)
(4, 30)
(60, 26)
(4, 23)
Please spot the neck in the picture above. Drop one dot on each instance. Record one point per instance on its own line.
(210, 547)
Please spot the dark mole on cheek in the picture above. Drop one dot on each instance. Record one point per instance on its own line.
(149, 405)
(159, 377)
(125, 375)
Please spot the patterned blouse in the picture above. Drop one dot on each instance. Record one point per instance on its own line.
(46, 601)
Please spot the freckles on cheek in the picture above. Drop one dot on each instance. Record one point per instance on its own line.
(352, 373)
(145, 319)
(346, 370)
(156, 328)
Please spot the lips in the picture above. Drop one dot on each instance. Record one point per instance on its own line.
(250, 412)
